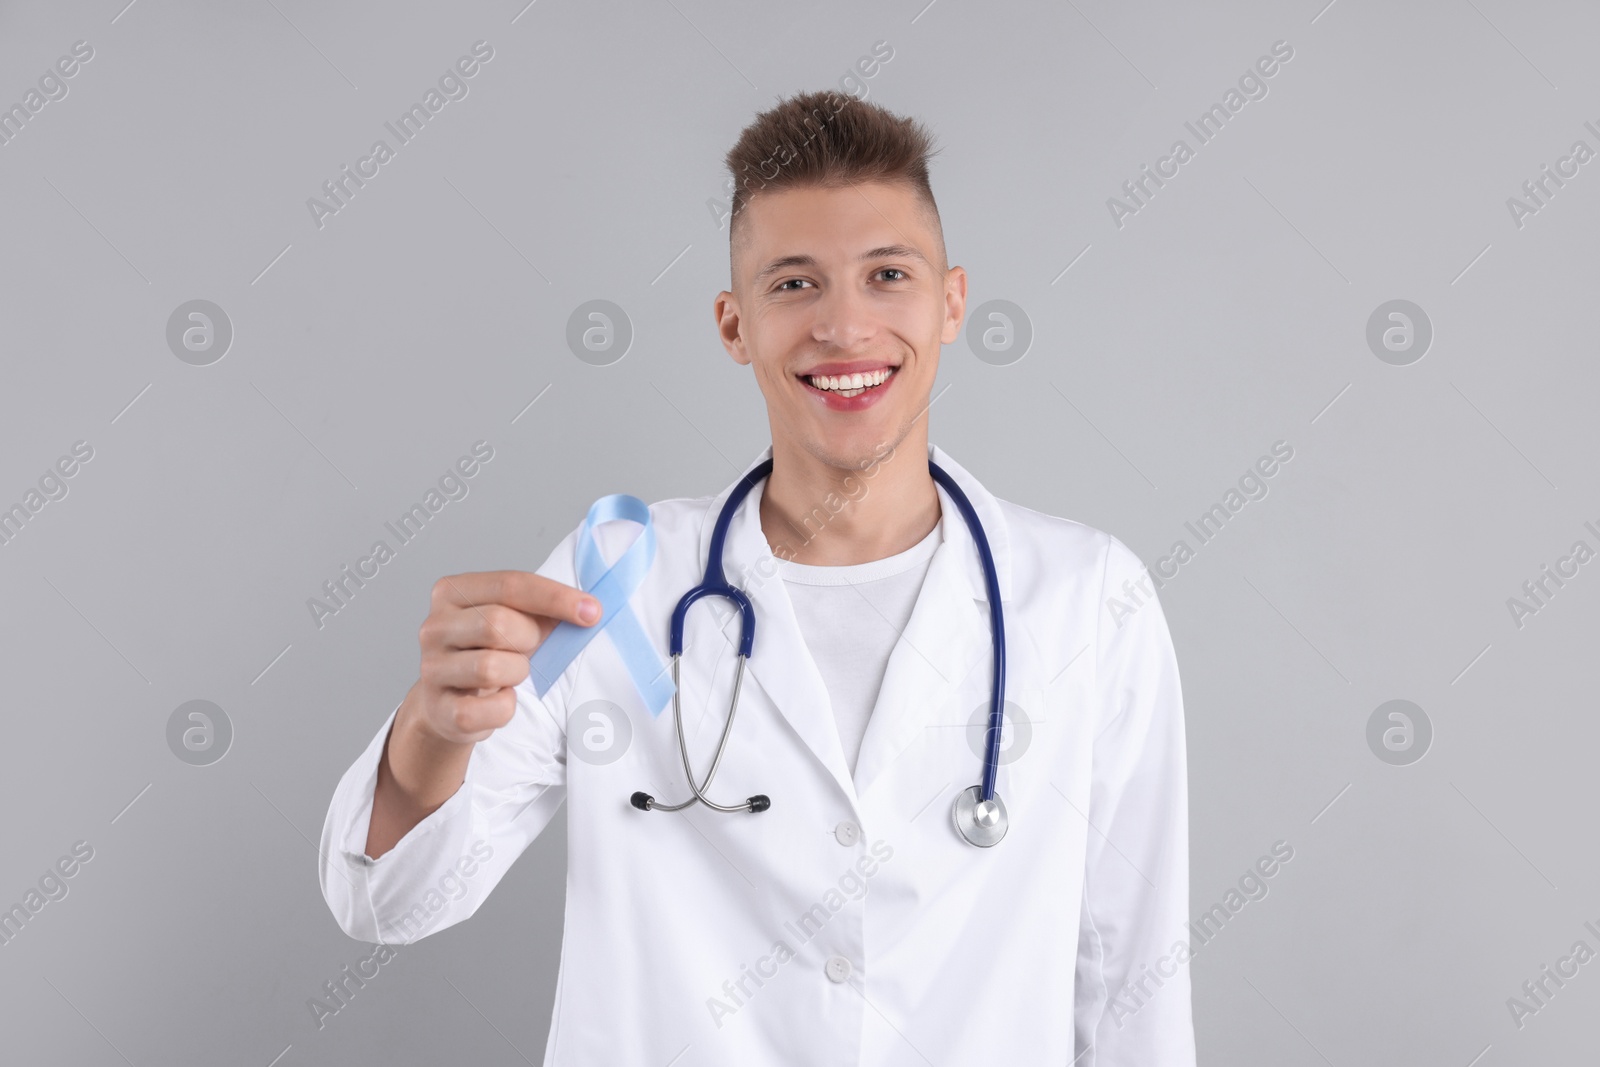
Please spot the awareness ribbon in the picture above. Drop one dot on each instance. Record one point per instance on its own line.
(612, 585)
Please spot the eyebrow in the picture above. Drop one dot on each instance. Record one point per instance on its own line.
(882, 252)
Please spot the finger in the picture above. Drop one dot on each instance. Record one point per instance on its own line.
(489, 626)
(472, 669)
(474, 715)
(531, 593)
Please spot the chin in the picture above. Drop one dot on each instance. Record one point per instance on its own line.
(857, 449)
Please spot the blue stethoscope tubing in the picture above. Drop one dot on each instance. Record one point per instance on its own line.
(979, 814)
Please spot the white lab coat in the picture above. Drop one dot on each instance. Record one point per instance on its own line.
(848, 924)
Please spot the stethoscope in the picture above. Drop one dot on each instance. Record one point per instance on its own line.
(979, 814)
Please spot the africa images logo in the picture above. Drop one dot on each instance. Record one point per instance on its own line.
(453, 485)
(1211, 122)
(341, 189)
(851, 885)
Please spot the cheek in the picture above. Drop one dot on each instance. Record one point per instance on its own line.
(922, 329)
(771, 376)
(776, 336)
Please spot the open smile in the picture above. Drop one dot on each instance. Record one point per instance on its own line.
(848, 385)
(852, 386)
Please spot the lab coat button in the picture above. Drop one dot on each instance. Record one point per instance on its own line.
(847, 833)
(838, 969)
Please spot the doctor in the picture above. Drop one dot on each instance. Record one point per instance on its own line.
(849, 921)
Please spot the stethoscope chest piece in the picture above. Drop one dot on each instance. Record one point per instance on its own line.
(981, 822)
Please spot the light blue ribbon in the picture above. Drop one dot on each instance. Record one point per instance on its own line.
(613, 586)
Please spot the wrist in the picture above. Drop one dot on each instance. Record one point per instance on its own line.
(426, 767)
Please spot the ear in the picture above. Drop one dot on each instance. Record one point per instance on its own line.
(726, 312)
(955, 304)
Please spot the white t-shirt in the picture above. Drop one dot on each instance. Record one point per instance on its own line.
(851, 617)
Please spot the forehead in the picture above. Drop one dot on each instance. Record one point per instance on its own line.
(828, 222)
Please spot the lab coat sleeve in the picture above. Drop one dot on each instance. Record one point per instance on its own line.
(1132, 1003)
(444, 867)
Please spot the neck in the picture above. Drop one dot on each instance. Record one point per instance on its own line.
(818, 513)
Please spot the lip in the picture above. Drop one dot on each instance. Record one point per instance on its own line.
(855, 366)
(859, 402)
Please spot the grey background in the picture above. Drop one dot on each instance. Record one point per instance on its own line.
(368, 355)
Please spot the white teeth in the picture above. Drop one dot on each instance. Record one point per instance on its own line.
(850, 384)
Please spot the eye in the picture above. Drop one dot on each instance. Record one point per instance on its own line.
(781, 285)
(893, 270)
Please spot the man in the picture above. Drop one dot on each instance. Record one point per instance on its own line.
(850, 923)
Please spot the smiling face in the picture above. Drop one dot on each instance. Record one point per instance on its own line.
(841, 300)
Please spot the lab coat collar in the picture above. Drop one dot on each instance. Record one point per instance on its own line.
(946, 638)
(742, 555)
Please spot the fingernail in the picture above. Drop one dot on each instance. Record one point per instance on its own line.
(589, 610)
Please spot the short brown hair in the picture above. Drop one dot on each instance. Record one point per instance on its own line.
(829, 139)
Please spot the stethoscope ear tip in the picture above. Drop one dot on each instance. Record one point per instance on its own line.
(760, 802)
(642, 800)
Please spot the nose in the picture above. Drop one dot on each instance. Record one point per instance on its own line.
(843, 318)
